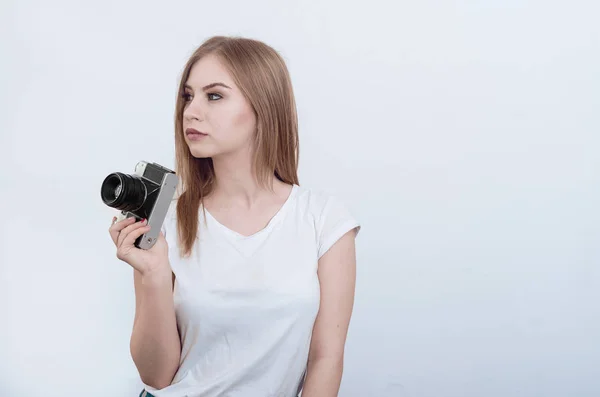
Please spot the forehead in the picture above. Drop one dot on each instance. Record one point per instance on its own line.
(208, 70)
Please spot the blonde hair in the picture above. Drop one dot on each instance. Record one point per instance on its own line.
(262, 76)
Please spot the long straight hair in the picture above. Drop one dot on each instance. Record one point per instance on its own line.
(262, 76)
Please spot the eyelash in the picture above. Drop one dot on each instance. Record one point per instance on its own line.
(186, 96)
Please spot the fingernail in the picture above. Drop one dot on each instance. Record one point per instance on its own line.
(143, 220)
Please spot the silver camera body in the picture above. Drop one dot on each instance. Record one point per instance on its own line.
(147, 193)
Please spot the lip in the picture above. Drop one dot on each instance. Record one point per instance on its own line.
(194, 135)
(192, 131)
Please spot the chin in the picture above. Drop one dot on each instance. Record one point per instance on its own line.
(200, 154)
(201, 151)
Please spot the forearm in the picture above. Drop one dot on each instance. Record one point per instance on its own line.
(323, 377)
(155, 346)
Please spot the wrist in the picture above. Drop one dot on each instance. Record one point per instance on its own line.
(157, 277)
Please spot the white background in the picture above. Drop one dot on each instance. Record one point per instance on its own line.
(464, 135)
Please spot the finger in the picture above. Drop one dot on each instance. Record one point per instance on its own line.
(113, 234)
(117, 227)
(125, 232)
(134, 234)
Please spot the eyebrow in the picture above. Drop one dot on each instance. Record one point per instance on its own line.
(211, 85)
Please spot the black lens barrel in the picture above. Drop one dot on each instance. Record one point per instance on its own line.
(123, 192)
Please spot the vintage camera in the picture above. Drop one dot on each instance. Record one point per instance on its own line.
(147, 193)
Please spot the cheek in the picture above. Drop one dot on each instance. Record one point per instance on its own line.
(245, 122)
(237, 122)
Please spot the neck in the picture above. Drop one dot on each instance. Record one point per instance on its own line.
(236, 184)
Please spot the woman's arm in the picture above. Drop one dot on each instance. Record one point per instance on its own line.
(337, 276)
(155, 346)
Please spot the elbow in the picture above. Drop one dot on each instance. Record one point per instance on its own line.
(157, 374)
(333, 361)
(330, 355)
(156, 383)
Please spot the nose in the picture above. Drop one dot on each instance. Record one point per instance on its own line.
(193, 111)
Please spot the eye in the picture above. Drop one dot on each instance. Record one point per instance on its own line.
(212, 96)
(186, 97)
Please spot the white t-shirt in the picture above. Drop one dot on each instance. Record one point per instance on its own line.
(246, 306)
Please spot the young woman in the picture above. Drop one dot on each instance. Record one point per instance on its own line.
(250, 287)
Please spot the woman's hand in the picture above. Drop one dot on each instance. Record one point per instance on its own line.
(154, 260)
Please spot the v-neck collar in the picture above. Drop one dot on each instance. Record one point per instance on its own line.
(276, 218)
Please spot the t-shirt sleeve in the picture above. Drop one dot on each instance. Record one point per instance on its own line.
(334, 221)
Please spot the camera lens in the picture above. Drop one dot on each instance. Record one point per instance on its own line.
(123, 192)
